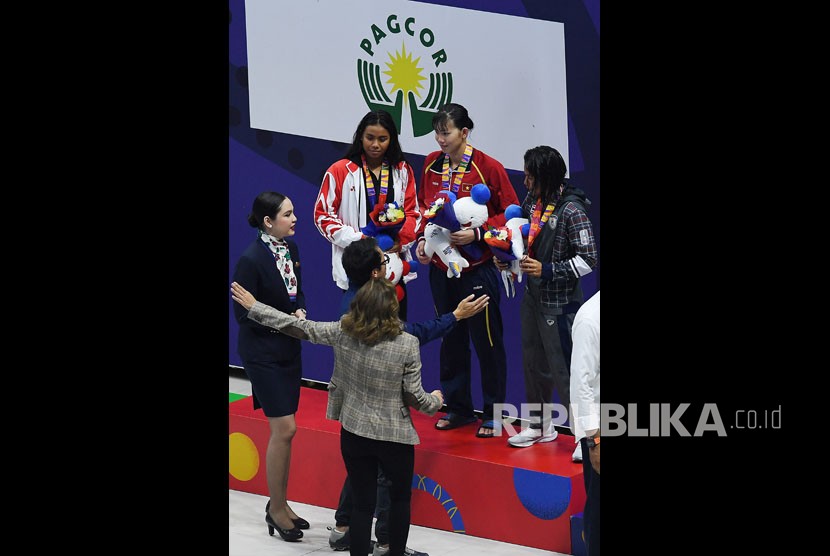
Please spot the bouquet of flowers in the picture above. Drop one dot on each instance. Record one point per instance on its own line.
(387, 214)
(500, 242)
(386, 218)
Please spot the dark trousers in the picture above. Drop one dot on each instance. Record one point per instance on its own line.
(484, 329)
(343, 515)
(591, 514)
(362, 457)
(403, 303)
(546, 355)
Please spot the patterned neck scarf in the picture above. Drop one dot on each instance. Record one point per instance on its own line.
(282, 258)
(537, 220)
(462, 169)
(384, 181)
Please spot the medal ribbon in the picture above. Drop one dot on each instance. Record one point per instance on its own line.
(537, 220)
(462, 169)
(384, 181)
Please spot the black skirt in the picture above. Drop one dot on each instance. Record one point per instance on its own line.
(276, 385)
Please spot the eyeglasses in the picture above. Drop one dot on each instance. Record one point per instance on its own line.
(385, 259)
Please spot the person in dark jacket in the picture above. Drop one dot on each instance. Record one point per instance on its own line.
(269, 268)
(560, 250)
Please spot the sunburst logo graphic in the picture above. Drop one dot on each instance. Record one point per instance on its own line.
(403, 79)
(404, 72)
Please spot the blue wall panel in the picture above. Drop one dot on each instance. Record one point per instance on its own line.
(294, 165)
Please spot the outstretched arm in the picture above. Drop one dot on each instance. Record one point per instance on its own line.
(438, 328)
(326, 333)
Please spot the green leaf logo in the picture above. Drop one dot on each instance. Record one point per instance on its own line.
(404, 80)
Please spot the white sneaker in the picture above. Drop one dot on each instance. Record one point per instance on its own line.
(577, 456)
(339, 540)
(529, 437)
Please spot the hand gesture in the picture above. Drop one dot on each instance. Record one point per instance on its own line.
(396, 246)
(468, 307)
(501, 265)
(440, 92)
(368, 76)
(531, 267)
(463, 237)
(439, 394)
(242, 296)
(420, 254)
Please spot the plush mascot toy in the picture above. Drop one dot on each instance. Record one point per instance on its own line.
(508, 245)
(440, 218)
(384, 222)
(447, 214)
(396, 269)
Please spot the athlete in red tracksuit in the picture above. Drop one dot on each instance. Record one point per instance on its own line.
(457, 167)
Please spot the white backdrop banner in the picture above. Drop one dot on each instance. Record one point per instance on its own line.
(315, 67)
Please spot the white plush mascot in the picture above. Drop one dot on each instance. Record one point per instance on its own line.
(398, 268)
(438, 241)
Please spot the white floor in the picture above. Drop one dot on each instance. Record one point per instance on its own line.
(248, 534)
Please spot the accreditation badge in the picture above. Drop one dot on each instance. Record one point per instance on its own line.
(552, 221)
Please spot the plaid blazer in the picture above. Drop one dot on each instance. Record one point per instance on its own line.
(372, 387)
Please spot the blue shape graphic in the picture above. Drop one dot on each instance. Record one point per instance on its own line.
(543, 495)
(422, 482)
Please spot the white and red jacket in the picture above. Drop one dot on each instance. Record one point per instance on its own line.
(340, 210)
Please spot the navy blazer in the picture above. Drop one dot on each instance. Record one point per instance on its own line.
(257, 273)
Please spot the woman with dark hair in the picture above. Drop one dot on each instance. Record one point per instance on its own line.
(376, 379)
(270, 269)
(373, 171)
(560, 250)
(457, 167)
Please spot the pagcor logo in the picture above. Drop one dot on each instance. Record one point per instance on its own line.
(404, 74)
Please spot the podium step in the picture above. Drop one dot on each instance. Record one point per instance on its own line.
(474, 486)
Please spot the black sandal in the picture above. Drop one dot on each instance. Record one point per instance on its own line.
(489, 424)
(454, 421)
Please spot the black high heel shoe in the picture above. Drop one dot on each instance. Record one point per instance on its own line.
(299, 523)
(288, 535)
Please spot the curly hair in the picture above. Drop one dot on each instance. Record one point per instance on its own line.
(373, 313)
(394, 154)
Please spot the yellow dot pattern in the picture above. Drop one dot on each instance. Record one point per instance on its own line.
(243, 458)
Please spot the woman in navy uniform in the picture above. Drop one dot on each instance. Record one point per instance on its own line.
(270, 269)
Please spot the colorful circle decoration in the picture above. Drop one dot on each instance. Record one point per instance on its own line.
(243, 458)
(543, 495)
(422, 482)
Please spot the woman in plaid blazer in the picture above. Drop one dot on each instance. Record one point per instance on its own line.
(376, 379)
